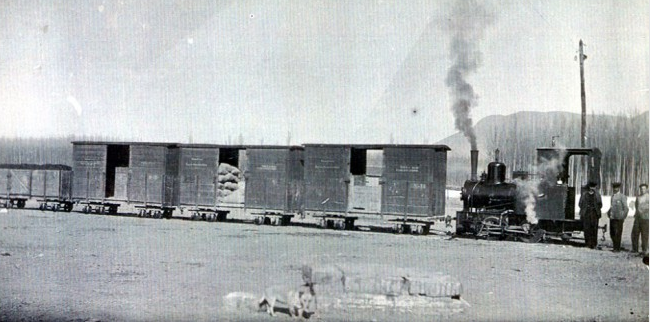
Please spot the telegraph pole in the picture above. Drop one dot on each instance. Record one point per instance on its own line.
(583, 131)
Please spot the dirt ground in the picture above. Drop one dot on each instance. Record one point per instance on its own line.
(84, 267)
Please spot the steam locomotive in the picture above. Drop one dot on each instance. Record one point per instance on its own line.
(532, 206)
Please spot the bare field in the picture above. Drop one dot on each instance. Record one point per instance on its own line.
(83, 267)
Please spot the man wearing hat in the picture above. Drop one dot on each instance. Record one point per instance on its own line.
(617, 214)
(590, 204)
(641, 221)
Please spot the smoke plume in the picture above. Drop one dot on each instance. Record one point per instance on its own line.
(527, 192)
(466, 25)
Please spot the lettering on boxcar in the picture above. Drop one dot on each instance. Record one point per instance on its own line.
(407, 168)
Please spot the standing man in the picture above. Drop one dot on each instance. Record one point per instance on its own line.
(590, 204)
(617, 214)
(641, 221)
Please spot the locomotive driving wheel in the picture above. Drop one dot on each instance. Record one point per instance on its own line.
(490, 226)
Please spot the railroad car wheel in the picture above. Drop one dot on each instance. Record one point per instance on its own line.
(21, 204)
(68, 207)
(539, 235)
(258, 220)
(490, 225)
(41, 207)
(157, 214)
(168, 214)
(426, 229)
(566, 237)
(55, 207)
(349, 224)
(222, 216)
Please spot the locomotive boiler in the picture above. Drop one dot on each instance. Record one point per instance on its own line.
(489, 200)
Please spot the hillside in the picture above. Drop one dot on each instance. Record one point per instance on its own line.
(623, 141)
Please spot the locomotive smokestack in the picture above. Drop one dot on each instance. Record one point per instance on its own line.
(474, 164)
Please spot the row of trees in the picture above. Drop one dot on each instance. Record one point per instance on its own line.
(57, 150)
(623, 141)
(36, 151)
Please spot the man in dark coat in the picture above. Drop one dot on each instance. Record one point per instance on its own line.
(590, 204)
(641, 221)
(617, 214)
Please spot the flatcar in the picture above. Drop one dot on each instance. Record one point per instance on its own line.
(531, 206)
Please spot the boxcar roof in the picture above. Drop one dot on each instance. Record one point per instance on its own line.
(290, 147)
(382, 146)
(122, 143)
(238, 146)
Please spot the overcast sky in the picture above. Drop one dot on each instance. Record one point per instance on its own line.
(275, 72)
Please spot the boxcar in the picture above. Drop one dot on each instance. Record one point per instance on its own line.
(50, 184)
(406, 182)
(274, 183)
(209, 178)
(108, 173)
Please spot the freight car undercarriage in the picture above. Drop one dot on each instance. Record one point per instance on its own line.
(9, 202)
(490, 224)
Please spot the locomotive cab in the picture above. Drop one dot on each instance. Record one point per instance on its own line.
(555, 206)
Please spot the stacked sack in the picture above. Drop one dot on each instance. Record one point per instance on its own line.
(229, 178)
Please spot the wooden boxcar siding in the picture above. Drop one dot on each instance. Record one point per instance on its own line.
(274, 179)
(48, 183)
(89, 168)
(121, 183)
(15, 182)
(172, 170)
(152, 173)
(198, 179)
(327, 176)
(52, 184)
(414, 181)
